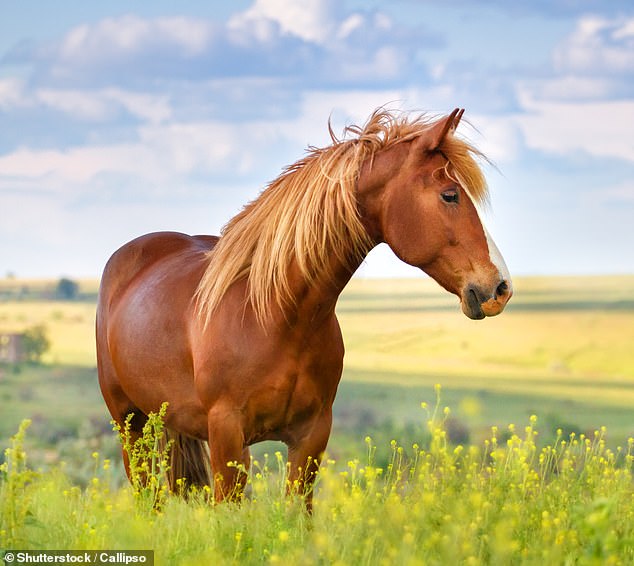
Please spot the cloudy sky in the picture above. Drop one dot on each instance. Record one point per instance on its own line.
(119, 118)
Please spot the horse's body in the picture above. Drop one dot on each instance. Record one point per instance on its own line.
(239, 334)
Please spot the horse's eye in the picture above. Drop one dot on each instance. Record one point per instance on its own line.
(450, 196)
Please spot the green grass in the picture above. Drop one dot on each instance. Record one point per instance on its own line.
(501, 502)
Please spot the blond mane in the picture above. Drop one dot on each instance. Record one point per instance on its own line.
(310, 212)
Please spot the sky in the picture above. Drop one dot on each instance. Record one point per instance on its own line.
(120, 118)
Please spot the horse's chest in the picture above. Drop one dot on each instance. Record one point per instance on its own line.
(278, 386)
(287, 402)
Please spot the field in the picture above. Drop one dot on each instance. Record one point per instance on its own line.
(562, 351)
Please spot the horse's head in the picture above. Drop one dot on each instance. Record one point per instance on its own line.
(415, 195)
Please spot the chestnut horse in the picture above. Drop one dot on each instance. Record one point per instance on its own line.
(239, 334)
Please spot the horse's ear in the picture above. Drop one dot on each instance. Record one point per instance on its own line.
(432, 139)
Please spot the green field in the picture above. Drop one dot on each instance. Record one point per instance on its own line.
(515, 470)
(506, 501)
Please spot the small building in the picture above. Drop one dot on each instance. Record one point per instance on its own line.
(12, 348)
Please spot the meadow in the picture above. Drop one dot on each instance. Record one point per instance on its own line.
(513, 466)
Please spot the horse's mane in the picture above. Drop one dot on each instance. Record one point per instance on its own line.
(310, 212)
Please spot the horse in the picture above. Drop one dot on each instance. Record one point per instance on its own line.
(238, 333)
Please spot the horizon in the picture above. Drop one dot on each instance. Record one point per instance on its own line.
(9, 278)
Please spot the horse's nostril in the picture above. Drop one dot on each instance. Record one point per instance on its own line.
(502, 289)
(473, 297)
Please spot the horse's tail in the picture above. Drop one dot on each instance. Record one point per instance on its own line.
(189, 462)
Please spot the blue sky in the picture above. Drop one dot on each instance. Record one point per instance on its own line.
(120, 118)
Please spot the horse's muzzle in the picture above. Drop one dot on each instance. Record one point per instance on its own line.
(479, 302)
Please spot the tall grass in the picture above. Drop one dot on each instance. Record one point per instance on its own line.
(148, 458)
(506, 501)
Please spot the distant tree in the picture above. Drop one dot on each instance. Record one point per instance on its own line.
(67, 289)
(36, 343)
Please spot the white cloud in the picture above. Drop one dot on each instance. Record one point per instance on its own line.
(152, 108)
(603, 129)
(594, 62)
(351, 24)
(317, 41)
(125, 50)
(387, 62)
(211, 147)
(311, 20)
(168, 154)
(499, 138)
(53, 169)
(573, 87)
(162, 158)
(11, 92)
(98, 105)
(598, 46)
(130, 34)
(79, 104)
(586, 105)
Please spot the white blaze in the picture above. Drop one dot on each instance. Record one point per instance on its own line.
(494, 253)
(496, 259)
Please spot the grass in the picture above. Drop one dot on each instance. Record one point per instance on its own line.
(502, 502)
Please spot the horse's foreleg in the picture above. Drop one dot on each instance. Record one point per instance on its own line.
(305, 457)
(229, 456)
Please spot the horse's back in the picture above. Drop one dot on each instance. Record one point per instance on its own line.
(132, 259)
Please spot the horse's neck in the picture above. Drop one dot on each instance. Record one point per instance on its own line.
(318, 296)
